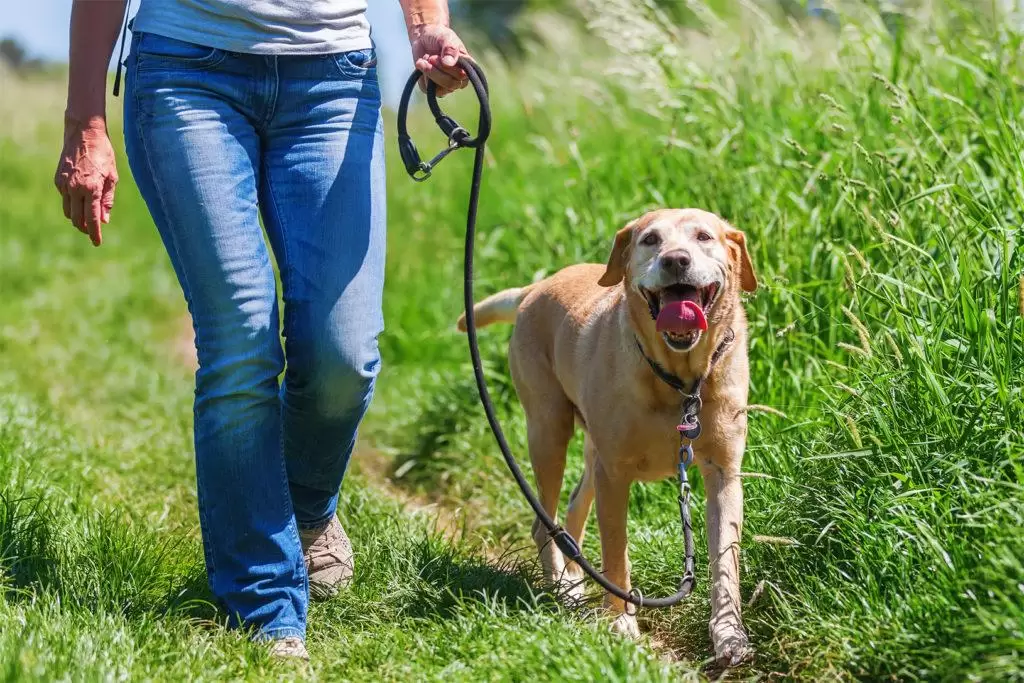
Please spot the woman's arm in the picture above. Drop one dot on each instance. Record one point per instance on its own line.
(86, 172)
(435, 47)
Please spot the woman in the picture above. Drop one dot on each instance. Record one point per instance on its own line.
(236, 110)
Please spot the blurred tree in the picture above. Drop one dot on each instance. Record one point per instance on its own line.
(14, 55)
(13, 52)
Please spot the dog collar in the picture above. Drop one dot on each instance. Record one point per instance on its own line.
(689, 421)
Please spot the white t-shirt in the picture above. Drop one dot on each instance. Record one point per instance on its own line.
(270, 27)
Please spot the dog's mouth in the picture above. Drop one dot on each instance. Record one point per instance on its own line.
(680, 312)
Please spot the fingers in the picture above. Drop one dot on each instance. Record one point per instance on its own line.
(89, 208)
(448, 79)
(428, 65)
(108, 197)
(72, 204)
(78, 211)
(448, 62)
(445, 81)
(93, 218)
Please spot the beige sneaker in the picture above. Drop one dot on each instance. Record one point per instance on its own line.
(289, 648)
(329, 560)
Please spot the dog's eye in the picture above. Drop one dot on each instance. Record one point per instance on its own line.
(651, 239)
(703, 236)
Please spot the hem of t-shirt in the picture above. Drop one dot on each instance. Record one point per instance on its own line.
(206, 39)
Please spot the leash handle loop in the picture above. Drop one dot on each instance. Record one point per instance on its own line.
(456, 134)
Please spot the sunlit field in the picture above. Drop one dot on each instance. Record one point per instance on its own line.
(880, 181)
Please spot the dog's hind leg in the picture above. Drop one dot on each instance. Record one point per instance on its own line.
(549, 426)
(576, 519)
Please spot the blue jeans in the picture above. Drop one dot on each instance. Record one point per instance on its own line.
(215, 141)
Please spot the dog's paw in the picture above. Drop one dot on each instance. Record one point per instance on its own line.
(732, 647)
(625, 625)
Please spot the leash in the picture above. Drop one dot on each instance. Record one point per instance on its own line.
(689, 423)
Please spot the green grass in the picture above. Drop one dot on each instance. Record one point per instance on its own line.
(882, 191)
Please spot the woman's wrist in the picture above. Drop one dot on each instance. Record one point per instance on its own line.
(87, 101)
(420, 15)
(84, 122)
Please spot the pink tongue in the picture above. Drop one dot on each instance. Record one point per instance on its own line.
(680, 317)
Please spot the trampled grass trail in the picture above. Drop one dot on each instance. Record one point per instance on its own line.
(882, 191)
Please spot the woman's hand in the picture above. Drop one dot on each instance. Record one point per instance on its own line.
(436, 50)
(86, 176)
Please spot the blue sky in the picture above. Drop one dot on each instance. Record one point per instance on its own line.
(42, 26)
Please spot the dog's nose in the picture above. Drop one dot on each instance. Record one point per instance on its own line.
(676, 261)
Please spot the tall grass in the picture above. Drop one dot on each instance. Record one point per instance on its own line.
(881, 185)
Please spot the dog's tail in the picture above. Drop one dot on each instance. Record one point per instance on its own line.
(497, 308)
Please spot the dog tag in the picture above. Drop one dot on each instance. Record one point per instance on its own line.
(690, 430)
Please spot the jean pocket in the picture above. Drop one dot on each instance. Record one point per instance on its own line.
(160, 52)
(356, 63)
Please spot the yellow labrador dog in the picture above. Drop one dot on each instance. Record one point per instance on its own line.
(670, 291)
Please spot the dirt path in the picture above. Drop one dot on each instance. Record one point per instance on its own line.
(374, 466)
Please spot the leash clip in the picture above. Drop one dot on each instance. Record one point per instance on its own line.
(419, 170)
(685, 457)
(411, 159)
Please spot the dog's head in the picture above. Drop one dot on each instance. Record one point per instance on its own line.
(686, 267)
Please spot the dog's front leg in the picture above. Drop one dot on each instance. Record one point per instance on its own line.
(612, 503)
(724, 492)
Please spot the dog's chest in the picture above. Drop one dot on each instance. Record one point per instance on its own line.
(642, 445)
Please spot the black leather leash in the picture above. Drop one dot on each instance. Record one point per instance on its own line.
(689, 423)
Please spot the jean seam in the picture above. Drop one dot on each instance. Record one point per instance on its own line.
(294, 529)
(275, 90)
(285, 263)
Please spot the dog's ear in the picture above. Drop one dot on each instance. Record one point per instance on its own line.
(616, 268)
(737, 242)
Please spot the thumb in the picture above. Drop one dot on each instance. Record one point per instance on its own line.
(450, 52)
